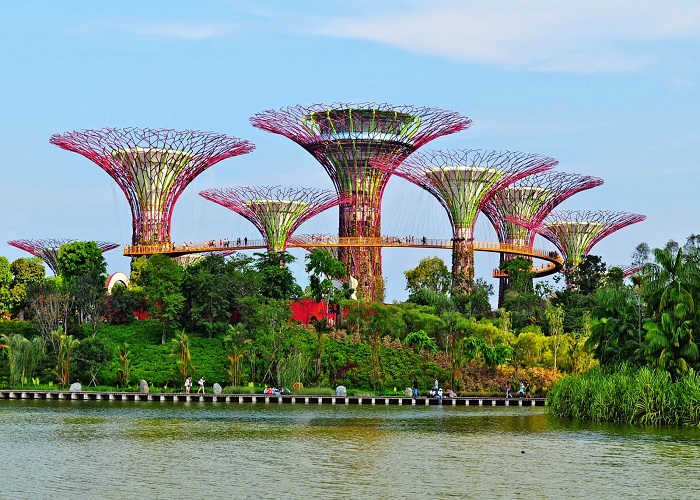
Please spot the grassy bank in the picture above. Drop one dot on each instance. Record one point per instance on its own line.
(644, 396)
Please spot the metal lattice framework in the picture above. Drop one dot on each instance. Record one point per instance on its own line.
(575, 233)
(275, 211)
(530, 200)
(629, 269)
(344, 137)
(463, 181)
(47, 249)
(152, 167)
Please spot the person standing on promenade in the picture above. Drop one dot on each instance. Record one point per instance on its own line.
(201, 386)
(188, 384)
(508, 389)
(415, 387)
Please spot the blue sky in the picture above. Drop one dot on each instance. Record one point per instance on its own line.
(610, 89)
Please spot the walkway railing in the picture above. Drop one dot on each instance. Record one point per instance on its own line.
(554, 260)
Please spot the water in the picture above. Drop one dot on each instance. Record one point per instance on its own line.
(164, 450)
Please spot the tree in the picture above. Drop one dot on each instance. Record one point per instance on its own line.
(5, 288)
(235, 343)
(124, 371)
(555, 318)
(615, 337)
(64, 355)
(276, 281)
(421, 341)
(578, 297)
(477, 302)
(324, 268)
(92, 354)
(183, 361)
(208, 296)
(273, 333)
(161, 279)
(438, 301)
(672, 282)
(80, 258)
(83, 270)
(122, 302)
(586, 277)
(525, 307)
(25, 271)
(519, 273)
(670, 342)
(23, 356)
(641, 255)
(431, 274)
(378, 321)
(50, 304)
(89, 297)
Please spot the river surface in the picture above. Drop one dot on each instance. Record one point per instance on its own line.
(120, 450)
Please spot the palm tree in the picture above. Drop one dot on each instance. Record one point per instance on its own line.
(23, 355)
(672, 283)
(181, 350)
(671, 280)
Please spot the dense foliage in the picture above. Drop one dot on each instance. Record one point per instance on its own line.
(228, 320)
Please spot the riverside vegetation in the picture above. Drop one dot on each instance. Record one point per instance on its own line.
(228, 320)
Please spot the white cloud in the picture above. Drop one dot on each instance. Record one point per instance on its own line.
(548, 35)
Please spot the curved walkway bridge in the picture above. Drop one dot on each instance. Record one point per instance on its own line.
(553, 264)
(262, 399)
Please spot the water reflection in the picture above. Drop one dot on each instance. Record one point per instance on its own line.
(159, 450)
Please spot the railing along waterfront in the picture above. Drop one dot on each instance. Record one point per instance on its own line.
(172, 397)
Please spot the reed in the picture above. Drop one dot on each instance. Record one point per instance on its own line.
(644, 396)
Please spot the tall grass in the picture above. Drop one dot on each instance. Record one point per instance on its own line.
(644, 396)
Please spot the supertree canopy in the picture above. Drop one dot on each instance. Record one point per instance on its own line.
(629, 269)
(463, 181)
(529, 200)
(47, 249)
(344, 138)
(152, 167)
(575, 233)
(276, 212)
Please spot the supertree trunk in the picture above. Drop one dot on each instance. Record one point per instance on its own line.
(362, 219)
(462, 262)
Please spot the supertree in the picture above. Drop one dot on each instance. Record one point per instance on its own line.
(463, 181)
(275, 211)
(344, 137)
(152, 167)
(530, 200)
(47, 249)
(575, 233)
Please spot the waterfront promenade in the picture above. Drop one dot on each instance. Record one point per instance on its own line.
(166, 397)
